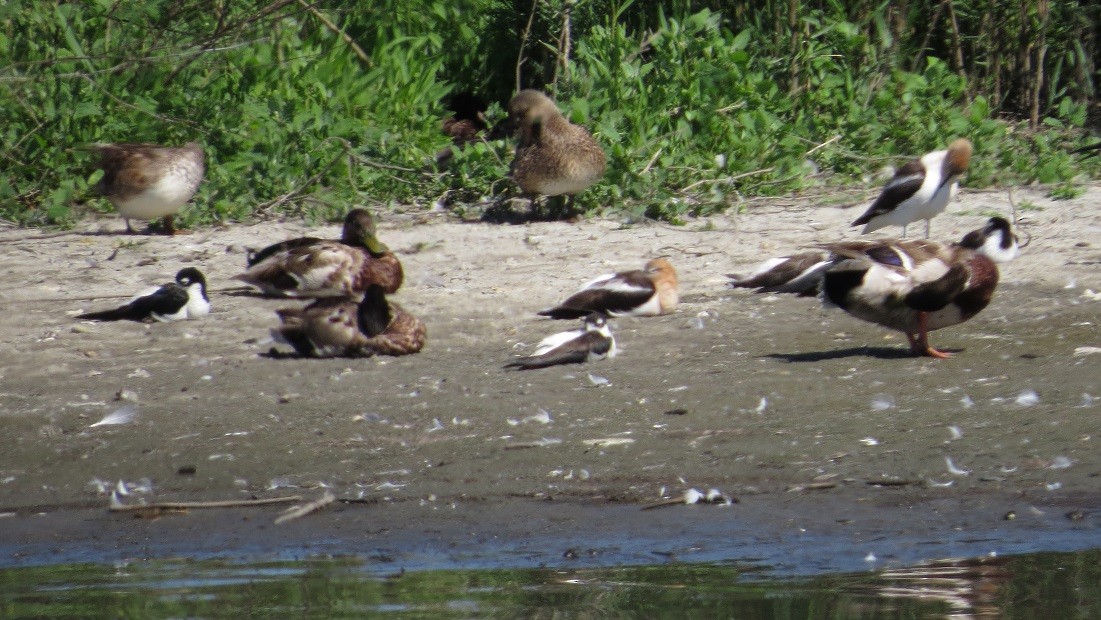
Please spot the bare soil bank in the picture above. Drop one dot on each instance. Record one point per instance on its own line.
(764, 398)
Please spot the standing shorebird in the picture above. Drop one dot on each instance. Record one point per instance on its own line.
(147, 181)
(649, 291)
(914, 287)
(920, 190)
(554, 157)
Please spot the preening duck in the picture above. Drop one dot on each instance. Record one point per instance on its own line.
(335, 327)
(554, 157)
(919, 190)
(640, 292)
(176, 301)
(594, 341)
(147, 181)
(307, 267)
(913, 286)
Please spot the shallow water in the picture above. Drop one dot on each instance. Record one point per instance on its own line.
(1054, 585)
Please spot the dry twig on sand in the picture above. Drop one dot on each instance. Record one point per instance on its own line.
(296, 512)
(116, 505)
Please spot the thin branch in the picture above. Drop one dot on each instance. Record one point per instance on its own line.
(117, 506)
(305, 509)
(957, 48)
(524, 42)
(337, 31)
(925, 42)
(650, 164)
(824, 144)
(726, 179)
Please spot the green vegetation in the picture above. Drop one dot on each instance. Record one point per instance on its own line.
(309, 107)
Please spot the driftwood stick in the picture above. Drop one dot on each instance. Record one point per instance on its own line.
(117, 506)
(300, 511)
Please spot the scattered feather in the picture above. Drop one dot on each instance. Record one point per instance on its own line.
(762, 405)
(1084, 351)
(598, 381)
(608, 442)
(967, 402)
(542, 416)
(1053, 486)
(956, 433)
(955, 471)
(870, 441)
(935, 484)
(115, 503)
(436, 426)
(1087, 400)
(882, 402)
(1090, 295)
(122, 415)
(870, 557)
(1008, 470)
(281, 483)
(1028, 398)
(1060, 462)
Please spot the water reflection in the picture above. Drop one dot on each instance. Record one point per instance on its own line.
(1047, 585)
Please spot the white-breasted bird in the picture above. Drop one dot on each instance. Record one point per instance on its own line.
(919, 190)
(593, 341)
(147, 181)
(176, 301)
(640, 292)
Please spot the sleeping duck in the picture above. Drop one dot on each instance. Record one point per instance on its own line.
(911, 286)
(308, 267)
(554, 157)
(337, 327)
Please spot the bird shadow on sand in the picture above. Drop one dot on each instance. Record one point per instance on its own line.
(245, 291)
(883, 353)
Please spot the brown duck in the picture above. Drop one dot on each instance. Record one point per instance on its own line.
(554, 156)
(308, 267)
(344, 328)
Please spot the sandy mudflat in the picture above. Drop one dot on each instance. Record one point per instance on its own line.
(757, 396)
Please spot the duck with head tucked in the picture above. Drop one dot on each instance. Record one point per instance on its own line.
(554, 156)
(341, 327)
(309, 267)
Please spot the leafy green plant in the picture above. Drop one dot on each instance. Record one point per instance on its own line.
(309, 108)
